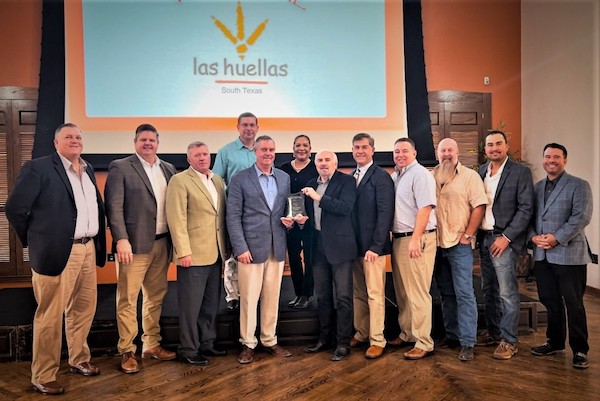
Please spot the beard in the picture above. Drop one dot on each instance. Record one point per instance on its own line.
(445, 172)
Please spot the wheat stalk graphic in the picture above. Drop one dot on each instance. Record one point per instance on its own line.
(239, 41)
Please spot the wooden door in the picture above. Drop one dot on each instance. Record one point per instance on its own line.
(464, 117)
(18, 113)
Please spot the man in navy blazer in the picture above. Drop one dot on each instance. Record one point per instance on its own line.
(56, 210)
(502, 236)
(257, 230)
(372, 218)
(563, 208)
(329, 204)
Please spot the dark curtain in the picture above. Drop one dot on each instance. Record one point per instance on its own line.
(51, 100)
(417, 105)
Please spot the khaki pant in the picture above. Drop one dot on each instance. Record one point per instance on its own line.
(72, 293)
(369, 300)
(412, 282)
(259, 281)
(147, 272)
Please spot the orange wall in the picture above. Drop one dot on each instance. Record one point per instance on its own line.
(466, 40)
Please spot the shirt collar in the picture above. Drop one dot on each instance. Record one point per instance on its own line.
(145, 163)
(489, 168)
(364, 168)
(259, 173)
(242, 146)
(208, 176)
(68, 164)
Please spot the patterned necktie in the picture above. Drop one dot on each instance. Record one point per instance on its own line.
(357, 176)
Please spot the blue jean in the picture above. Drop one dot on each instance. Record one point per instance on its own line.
(500, 291)
(454, 277)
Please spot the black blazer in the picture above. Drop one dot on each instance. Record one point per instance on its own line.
(513, 203)
(374, 212)
(41, 208)
(336, 205)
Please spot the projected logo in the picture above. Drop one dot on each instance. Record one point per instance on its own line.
(240, 41)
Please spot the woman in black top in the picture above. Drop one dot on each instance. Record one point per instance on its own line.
(301, 169)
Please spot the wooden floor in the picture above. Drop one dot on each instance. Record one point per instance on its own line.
(315, 377)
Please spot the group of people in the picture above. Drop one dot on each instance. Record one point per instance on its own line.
(237, 216)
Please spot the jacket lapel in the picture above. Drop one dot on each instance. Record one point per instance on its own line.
(254, 180)
(60, 168)
(505, 173)
(367, 176)
(556, 192)
(137, 166)
(201, 187)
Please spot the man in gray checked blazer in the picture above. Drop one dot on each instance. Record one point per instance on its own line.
(561, 253)
(257, 229)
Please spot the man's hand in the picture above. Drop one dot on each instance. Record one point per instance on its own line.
(311, 193)
(414, 247)
(544, 241)
(499, 246)
(245, 257)
(300, 219)
(185, 261)
(288, 222)
(371, 256)
(124, 251)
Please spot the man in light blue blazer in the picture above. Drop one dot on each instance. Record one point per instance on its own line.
(257, 229)
(561, 253)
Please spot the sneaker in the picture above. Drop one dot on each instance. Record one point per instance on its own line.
(466, 353)
(580, 360)
(505, 350)
(546, 349)
(486, 341)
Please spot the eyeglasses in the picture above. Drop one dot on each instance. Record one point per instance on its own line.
(246, 125)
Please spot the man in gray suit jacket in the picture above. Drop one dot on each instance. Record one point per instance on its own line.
(257, 229)
(135, 195)
(561, 253)
(502, 235)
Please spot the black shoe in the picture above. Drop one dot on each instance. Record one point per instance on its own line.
(194, 360)
(447, 343)
(233, 305)
(303, 302)
(580, 360)
(546, 349)
(466, 353)
(293, 302)
(212, 351)
(340, 353)
(318, 347)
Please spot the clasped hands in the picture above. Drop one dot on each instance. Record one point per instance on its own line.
(545, 241)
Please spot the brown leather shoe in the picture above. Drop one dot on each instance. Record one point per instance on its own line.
(159, 353)
(52, 388)
(246, 356)
(374, 351)
(398, 342)
(85, 368)
(354, 342)
(417, 353)
(129, 364)
(278, 350)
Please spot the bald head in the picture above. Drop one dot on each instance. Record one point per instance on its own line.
(326, 162)
(447, 151)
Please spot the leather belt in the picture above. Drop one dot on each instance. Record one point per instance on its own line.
(408, 234)
(161, 236)
(83, 240)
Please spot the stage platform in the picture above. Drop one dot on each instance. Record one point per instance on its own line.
(295, 326)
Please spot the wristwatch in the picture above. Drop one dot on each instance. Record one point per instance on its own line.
(469, 237)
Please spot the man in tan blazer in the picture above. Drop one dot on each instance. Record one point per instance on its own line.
(196, 218)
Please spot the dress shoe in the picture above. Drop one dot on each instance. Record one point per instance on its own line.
(212, 351)
(303, 302)
(373, 352)
(293, 302)
(466, 353)
(233, 305)
(194, 360)
(246, 356)
(546, 349)
(278, 350)
(318, 347)
(398, 342)
(129, 364)
(52, 388)
(159, 353)
(85, 368)
(340, 353)
(354, 342)
(417, 353)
